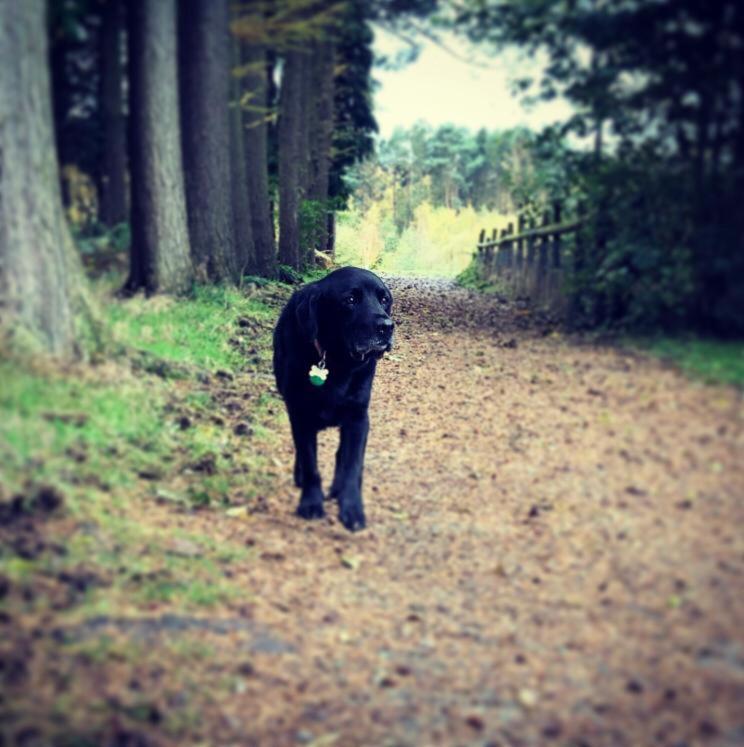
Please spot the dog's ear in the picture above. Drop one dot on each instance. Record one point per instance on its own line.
(306, 313)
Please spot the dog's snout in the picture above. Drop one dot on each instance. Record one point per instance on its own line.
(385, 326)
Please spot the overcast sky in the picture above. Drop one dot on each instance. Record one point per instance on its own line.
(440, 88)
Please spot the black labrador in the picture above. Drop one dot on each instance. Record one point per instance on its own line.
(327, 342)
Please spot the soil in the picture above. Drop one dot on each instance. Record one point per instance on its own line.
(554, 555)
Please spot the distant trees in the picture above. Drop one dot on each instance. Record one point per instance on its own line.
(658, 88)
(452, 167)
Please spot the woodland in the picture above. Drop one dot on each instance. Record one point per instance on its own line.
(553, 552)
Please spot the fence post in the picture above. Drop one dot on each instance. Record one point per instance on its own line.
(492, 253)
(542, 260)
(498, 256)
(508, 247)
(557, 210)
(520, 241)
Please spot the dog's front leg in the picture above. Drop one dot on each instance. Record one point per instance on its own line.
(347, 481)
(306, 470)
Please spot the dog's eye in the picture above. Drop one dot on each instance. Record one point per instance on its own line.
(350, 298)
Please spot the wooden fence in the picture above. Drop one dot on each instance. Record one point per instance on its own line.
(530, 263)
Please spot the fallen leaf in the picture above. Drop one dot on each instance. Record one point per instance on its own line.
(351, 561)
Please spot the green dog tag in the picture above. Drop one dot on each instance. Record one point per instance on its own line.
(318, 374)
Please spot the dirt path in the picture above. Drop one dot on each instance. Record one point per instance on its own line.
(554, 554)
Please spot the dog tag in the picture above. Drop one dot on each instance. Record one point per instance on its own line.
(318, 373)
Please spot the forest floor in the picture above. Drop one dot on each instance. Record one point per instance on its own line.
(554, 555)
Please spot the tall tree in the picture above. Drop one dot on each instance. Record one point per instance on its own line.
(290, 156)
(256, 153)
(112, 173)
(354, 122)
(321, 139)
(204, 57)
(160, 259)
(241, 208)
(41, 283)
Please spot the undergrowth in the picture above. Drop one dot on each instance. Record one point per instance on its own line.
(712, 361)
(470, 278)
(178, 415)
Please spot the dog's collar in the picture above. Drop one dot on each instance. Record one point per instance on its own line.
(320, 350)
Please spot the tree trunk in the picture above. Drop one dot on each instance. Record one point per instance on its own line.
(160, 259)
(290, 138)
(112, 175)
(272, 139)
(241, 208)
(42, 288)
(321, 137)
(256, 152)
(204, 55)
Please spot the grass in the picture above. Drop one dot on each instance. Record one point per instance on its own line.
(110, 438)
(194, 332)
(713, 361)
(470, 278)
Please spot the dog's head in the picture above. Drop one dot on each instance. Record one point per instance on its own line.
(348, 311)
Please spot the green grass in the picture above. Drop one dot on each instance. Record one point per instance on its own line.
(713, 361)
(46, 416)
(195, 331)
(470, 278)
(107, 437)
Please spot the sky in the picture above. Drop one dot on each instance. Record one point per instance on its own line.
(440, 88)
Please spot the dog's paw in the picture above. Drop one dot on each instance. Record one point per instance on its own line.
(311, 506)
(351, 514)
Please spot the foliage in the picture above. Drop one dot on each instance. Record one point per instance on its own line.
(419, 205)
(313, 219)
(452, 167)
(658, 86)
(713, 361)
(437, 242)
(470, 277)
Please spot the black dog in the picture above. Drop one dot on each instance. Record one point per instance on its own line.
(327, 342)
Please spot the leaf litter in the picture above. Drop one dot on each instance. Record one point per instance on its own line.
(553, 553)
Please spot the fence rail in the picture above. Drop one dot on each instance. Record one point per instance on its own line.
(530, 262)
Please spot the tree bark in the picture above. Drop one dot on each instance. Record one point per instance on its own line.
(256, 152)
(290, 139)
(113, 167)
(204, 55)
(42, 287)
(321, 138)
(241, 208)
(160, 259)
